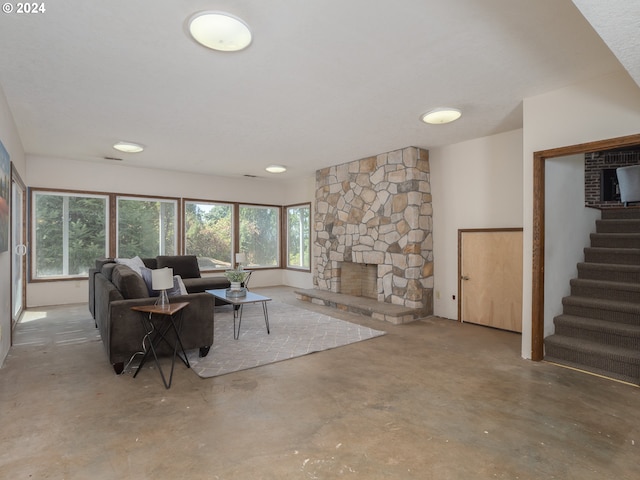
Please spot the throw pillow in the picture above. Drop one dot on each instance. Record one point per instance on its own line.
(178, 287)
(136, 264)
(146, 276)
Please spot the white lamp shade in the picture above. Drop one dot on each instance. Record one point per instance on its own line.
(241, 258)
(162, 279)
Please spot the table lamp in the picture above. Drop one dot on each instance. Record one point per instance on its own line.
(162, 279)
(240, 259)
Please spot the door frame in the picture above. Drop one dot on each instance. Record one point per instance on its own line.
(15, 178)
(537, 293)
(473, 230)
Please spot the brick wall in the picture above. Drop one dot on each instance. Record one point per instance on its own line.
(595, 164)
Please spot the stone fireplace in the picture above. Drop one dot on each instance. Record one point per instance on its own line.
(374, 215)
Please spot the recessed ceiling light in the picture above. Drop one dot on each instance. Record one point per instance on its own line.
(219, 31)
(128, 147)
(441, 115)
(276, 169)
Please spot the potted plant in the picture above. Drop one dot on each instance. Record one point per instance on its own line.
(236, 277)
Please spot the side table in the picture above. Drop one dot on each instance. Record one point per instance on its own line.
(169, 319)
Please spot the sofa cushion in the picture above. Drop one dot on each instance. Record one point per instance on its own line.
(128, 282)
(151, 263)
(184, 265)
(197, 285)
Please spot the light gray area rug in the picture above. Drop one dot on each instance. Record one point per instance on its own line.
(294, 332)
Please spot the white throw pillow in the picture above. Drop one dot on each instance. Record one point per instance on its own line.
(136, 264)
(178, 287)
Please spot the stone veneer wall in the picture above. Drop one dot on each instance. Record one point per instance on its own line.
(378, 211)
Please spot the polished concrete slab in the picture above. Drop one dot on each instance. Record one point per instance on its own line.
(432, 399)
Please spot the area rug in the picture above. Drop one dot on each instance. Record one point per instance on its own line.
(294, 332)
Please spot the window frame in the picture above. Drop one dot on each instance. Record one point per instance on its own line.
(142, 198)
(33, 244)
(285, 224)
(233, 208)
(278, 232)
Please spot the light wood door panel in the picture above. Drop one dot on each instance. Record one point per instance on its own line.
(491, 278)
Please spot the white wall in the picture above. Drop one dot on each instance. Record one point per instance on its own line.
(44, 172)
(475, 184)
(567, 227)
(598, 109)
(13, 145)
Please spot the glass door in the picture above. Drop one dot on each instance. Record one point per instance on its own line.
(18, 248)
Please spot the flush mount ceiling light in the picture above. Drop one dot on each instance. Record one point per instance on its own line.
(439, 116)
(276, 169)
(128, 147)
(219, 31)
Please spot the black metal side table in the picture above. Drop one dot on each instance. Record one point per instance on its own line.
(157, 330)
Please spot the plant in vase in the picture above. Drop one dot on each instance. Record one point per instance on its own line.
(236, 277)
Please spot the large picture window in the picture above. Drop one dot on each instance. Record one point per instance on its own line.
(146, 227)
(298, 236)
(70, 232)
(259, 235)
(209, 233)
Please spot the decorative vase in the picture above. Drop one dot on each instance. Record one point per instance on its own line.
(236, 285)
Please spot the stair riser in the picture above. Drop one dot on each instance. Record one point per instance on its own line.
(618, 213)
(602, 314)
(608, 241)
(609, 275)
(600, 336)
(618, 226)
(595, 363)
(605, 293)
(615, 258)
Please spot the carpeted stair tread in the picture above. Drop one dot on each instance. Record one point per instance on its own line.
(625, 256)
(618, 225)
(615, 240)
(602, 331)
(609, 271)
(602, 309)
(607, 267)
(621, 213)
(605, 289)
(615, 362)
(629, 307)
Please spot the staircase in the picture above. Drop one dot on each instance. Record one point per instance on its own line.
(599, 329)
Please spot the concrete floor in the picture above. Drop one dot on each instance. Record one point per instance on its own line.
(434, 399)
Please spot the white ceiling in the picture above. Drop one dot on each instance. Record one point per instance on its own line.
(323, 83)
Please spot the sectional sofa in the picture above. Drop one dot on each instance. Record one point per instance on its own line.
(115, 287)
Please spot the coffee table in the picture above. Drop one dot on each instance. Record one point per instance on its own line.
(250, 297)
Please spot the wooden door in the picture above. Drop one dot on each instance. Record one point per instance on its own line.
(490, 278)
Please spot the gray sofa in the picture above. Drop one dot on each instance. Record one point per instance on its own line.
(114, 288)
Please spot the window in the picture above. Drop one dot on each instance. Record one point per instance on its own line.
(259, 237)
(70, 232)
(146, 227)
(208, 233)
(298, 236)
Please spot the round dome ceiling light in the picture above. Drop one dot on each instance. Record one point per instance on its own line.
(128, 147)
(219, 31)
(276, 169)
(439, 116)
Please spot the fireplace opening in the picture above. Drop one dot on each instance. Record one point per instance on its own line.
(359, 279)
